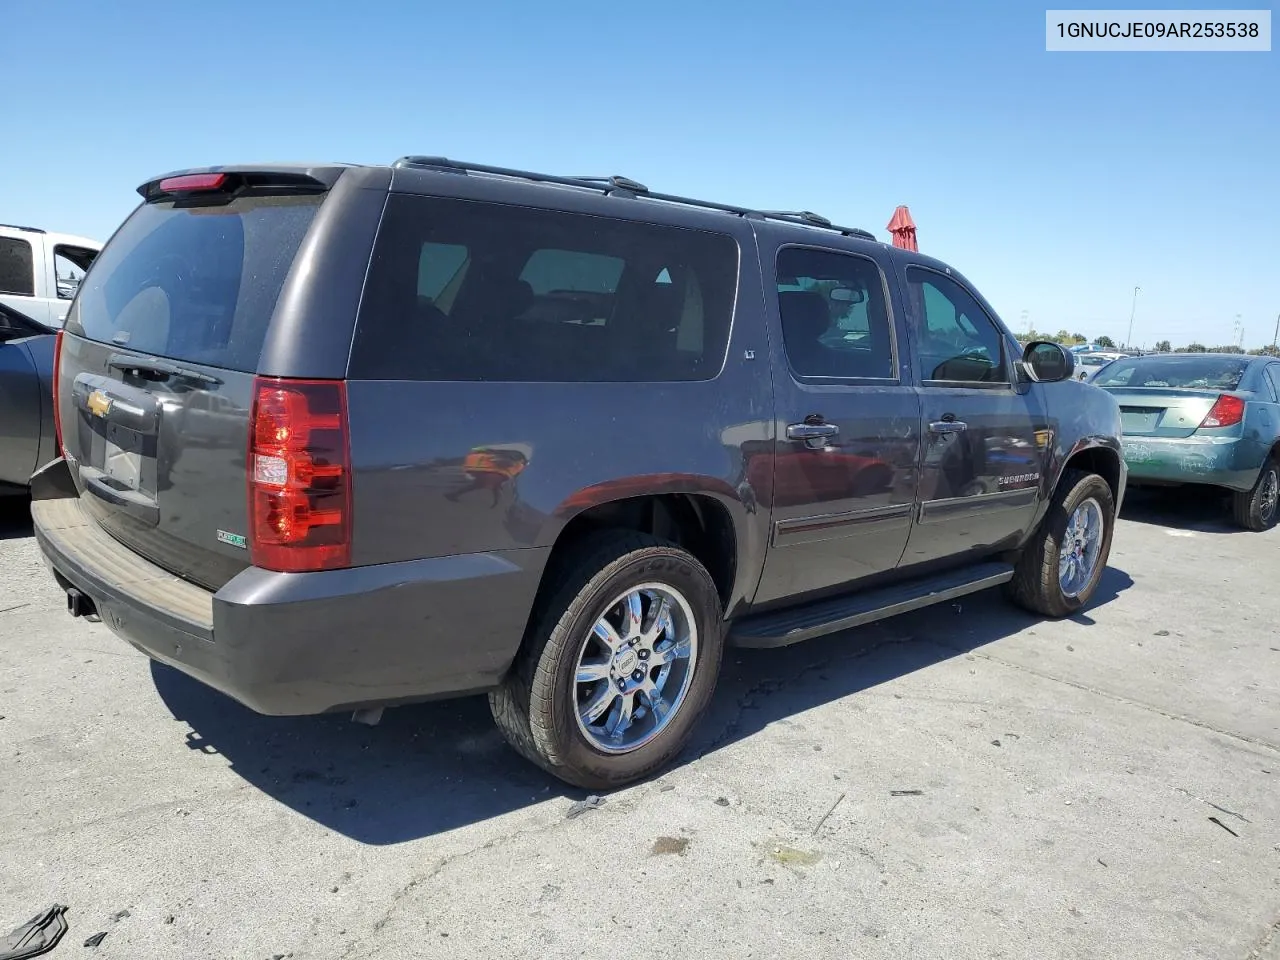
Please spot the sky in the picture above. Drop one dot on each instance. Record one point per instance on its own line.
(1056, 182)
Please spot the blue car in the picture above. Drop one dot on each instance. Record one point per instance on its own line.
(26, 399)
(1202, 418)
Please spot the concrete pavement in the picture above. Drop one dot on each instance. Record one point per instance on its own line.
(961, 782)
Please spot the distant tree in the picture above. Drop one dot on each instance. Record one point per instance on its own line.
(1106, 343)
(1062, 337)
(1268, 351)
(1079, 338)
(1193, 348)
(1164, 347)
(1229, 348)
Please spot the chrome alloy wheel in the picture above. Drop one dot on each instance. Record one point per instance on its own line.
(1081, 547)
(635, 667)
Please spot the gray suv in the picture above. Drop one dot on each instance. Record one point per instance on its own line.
(341, 437)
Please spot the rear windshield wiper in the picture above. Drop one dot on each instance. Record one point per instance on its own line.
(159, 370)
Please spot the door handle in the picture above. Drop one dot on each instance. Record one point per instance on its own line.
(815, 435)
(948, 426)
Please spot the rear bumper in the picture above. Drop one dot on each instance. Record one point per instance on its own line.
(290, 644)
(1231, 462)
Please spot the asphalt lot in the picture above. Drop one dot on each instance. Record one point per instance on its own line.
(1067, 774)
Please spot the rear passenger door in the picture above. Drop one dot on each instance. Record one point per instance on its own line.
(985, 434)
(848, 436)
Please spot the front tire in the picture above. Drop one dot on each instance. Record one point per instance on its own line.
(619, 664)
(1256, 509)
(1061, 566)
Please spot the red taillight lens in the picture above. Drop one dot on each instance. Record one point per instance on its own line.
(299, 475)
(193, 182)
(57, 406)
(1227, 412)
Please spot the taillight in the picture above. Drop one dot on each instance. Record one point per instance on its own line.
(299, 475)
(57, 406)
(1226, 412)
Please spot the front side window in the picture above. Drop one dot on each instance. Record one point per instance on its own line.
(463, 290)
(17, 267)
(834, 318)
(955, 339)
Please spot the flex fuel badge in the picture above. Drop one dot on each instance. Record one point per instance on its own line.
(234, 539)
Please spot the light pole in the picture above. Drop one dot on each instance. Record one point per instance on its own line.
(1237, 331)
(1133, 310)
(1276, 339)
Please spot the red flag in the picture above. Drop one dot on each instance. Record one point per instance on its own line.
(903, 229)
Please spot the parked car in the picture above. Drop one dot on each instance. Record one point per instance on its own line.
(1088, 364)
(542, 437)
(1203, 418)
(41, 271)
(26, 389)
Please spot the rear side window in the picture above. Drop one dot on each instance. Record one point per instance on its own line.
(195, 283)
(464, 290)
(1189, 372)
(17, 267)
(834, 319)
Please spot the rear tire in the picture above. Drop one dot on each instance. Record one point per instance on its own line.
(1046, 583)
(588, 628)
(1256, 509)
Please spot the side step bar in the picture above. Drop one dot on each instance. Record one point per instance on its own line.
(790, 626)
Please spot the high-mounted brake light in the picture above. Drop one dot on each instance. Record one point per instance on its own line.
(299, 475)
(1226, 412)
(192, 182)
(57, 406)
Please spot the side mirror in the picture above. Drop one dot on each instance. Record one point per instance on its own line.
(1048, 362)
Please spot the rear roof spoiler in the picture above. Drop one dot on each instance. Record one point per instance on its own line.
(300, 177)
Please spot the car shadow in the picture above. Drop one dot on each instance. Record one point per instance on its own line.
(1195, 508)
(434, 767)
(15, 517)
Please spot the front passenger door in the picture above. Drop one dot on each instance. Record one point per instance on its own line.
(985, 434)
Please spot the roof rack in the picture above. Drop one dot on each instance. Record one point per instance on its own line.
(626, 187)
(15, 226)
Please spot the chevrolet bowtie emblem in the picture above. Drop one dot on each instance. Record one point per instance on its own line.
(99, 403)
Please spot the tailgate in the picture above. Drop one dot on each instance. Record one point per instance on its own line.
(157, 371)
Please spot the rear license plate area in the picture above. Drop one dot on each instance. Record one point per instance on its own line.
(1139, 419)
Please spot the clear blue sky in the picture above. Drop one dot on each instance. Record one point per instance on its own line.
(1056, 182)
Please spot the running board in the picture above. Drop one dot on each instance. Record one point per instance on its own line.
(792, 625)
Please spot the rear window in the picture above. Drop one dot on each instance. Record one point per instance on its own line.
(464, 290)
(195, 283)
(1186, 372)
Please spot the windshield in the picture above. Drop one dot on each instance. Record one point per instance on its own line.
(195, 283)
(1186, 372)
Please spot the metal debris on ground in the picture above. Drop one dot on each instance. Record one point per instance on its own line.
(830, 811)
(592, 802)
(1161, 633)
(120, 915)
(906, 793)
(96, 939)
(995, 743)
(1223, 826)
(38, 935)
(722, 801)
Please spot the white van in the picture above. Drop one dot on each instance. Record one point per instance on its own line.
(41, 271)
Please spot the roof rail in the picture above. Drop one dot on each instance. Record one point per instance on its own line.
(14, 226)
(626, 187)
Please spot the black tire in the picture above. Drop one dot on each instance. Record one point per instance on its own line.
(1256, 509)
(1035, 584)
(536, 705)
